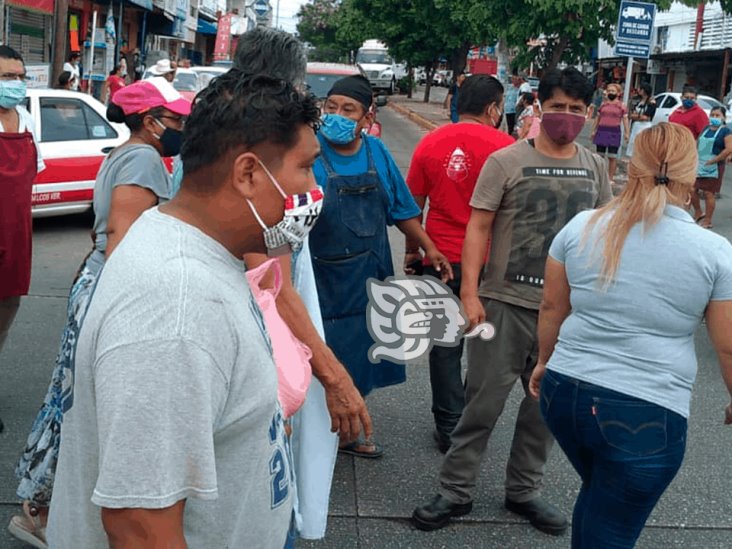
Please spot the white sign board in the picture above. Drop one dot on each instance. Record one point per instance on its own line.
(37, 76)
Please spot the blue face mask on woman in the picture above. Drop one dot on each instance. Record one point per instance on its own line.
(338, 129)
(12, 92)
(716, 122)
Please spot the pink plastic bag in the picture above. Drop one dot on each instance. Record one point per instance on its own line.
(291, 356)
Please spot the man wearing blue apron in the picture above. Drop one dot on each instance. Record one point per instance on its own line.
(364, 193)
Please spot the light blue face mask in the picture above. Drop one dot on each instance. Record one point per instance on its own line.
(716, 122)
(338, 129)
(12, 92)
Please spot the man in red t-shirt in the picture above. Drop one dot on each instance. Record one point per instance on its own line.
(444, 169)
(690, 114)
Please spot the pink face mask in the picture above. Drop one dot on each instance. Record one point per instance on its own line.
(562, 127)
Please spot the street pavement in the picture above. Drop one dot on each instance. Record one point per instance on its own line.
(371, 501)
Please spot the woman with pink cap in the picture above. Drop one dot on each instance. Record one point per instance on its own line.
(131, 180)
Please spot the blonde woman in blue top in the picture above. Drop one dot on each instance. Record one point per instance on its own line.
(625, 289)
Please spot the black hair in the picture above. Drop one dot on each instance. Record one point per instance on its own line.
(74, 55)
(646, 87)
(6, 52)
(114, 70)
(271, 52)
(688, 89)
(570, 81)
(64, 78)
(132, 121)
(527, 98)
(477, 92)
(721, 109)
(241, 111)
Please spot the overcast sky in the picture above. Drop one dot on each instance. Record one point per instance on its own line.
(288, 12)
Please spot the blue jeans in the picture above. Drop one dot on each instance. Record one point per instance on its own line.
(626, 451)
(448, 390)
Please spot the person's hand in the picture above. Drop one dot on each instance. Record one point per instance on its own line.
(409, 258)
(440, 263)
(535, 382)
(728, 414)
(347, 409)
(709, 162)
(627, 137)
(473, 310)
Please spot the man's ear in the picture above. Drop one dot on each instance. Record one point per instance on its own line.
(242, 174)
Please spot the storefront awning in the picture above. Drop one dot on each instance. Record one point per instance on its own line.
(44, 6)
(204, 27)
(147, 4)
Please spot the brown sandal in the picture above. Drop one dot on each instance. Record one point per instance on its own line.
(29, 528)
(362, 448)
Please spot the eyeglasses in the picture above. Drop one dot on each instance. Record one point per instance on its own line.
(177, 119)
(12, 76)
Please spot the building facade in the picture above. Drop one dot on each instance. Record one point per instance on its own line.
(140, 32)
(691, 45)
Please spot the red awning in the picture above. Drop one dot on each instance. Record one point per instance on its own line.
(44, 6)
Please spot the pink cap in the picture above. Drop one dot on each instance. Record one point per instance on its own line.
(150, 94)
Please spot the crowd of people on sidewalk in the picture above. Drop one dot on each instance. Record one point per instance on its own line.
(215, 359)
(119, 76)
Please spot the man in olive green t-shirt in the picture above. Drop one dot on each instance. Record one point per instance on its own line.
(525, 194)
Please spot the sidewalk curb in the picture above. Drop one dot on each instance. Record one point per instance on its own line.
(420, 120)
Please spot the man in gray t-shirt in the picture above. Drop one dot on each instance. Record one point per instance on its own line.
(523, 197)
(175, 432)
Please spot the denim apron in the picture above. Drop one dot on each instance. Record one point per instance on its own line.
(705, 149)
(349, 245)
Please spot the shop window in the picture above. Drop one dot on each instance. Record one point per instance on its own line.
(662, 38)
(66, 119)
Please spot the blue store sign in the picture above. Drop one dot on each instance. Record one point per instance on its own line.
(635, 29)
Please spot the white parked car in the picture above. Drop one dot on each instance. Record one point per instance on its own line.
(668, 102)
(186, 82)
(75, 137)
(206, 74)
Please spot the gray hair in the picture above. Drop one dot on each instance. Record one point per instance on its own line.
(271, 52)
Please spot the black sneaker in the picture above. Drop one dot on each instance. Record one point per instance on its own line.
(542, 515)
(438, 512)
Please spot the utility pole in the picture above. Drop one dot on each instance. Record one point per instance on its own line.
(2, 22)
(61, 20)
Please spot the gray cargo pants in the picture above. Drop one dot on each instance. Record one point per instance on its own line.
(493, 369)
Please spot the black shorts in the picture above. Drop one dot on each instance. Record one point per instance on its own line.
(608, 150)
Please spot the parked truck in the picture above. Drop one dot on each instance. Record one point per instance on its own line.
(373, 57)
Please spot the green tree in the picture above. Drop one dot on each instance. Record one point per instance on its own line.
(418, 32)
(318, 25)
(565, 29)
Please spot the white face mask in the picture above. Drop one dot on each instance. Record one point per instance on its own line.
(301, 213)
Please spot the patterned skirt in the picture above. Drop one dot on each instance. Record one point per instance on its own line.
(37, 466)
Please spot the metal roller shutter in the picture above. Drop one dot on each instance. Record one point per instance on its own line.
(30, 35)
